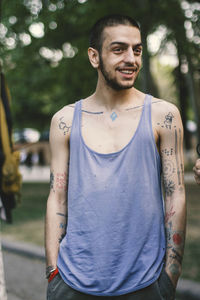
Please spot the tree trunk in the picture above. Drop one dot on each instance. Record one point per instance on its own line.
(184, 94)
(183, 103)
(148, 83)
(193, 96)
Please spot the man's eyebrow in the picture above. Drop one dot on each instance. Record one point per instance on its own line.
(125, 44)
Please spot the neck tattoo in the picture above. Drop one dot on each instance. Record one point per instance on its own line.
(113, 116)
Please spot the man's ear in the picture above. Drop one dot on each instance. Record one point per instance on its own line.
(93, 55)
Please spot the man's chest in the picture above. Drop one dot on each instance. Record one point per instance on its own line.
(111, 132)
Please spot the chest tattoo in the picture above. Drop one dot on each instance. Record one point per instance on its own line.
(113, 116)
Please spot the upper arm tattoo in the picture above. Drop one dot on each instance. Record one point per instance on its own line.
(167, 122)
(172, 157)
(63, 126)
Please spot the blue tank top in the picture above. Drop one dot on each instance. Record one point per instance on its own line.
(115, 240)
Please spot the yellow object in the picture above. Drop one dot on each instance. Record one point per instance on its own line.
(11, 177)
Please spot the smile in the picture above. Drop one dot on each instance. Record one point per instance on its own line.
(126, 71)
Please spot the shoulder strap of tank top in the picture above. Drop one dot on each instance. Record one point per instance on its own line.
(147, 107)
(76, 117)
(147, 112)
(148, 100)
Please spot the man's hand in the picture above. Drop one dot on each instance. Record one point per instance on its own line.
(196, 170)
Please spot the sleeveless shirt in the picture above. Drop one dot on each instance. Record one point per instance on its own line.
(115, 238)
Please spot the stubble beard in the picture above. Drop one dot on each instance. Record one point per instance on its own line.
(112, 82)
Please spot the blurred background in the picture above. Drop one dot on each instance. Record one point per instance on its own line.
(43, 56)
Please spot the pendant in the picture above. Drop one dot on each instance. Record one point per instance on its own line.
(113, 116)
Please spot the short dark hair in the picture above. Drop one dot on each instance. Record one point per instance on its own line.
(96, 36)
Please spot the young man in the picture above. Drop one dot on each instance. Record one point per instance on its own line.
(118, 238)
(196, 170)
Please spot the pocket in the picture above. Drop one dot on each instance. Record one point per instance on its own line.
(166, 286)
(53, 285)
(158, 293)
(169, 280)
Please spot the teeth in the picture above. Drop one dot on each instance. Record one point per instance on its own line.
(127, 71)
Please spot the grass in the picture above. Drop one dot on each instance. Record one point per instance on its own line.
(28, 217)
(28, 223)
(191, 262)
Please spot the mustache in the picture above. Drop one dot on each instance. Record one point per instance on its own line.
(128, 67)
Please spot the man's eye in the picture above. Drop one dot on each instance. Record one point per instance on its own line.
(138, 51)
(117, 50)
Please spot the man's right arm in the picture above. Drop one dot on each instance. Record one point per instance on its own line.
(196, 170)
(56, 214)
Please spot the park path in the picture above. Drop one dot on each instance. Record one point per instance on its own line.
(25, 277)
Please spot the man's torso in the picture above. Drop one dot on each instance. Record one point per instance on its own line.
(108, 132)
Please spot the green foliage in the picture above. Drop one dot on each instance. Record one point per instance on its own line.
(42, 84)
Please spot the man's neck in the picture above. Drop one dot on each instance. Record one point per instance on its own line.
(112, 99)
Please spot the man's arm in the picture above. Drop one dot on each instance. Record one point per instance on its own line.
(196, 170)
(171, 150)
(56, 214)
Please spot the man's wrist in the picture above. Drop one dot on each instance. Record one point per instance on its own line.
(49, 270)
(174, 276)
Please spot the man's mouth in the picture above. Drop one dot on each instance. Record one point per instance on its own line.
(127, 71)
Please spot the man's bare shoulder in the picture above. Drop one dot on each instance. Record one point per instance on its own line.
(61, 123)
(64, 116)
(166, 118)
(66, 112)
(162, 110)
(162, 106)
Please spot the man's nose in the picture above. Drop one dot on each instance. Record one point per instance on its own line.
(129, 56)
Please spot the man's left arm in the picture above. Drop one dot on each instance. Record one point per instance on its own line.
(171, 150)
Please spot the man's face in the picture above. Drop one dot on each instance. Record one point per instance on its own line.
(120, 57)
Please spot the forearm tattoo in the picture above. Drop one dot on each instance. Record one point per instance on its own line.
(175, 248)
(169, 187)
(169, 214)
(61, 237)
(62, 225)
(59, 181)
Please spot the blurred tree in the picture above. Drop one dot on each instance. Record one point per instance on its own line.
(44, 50)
